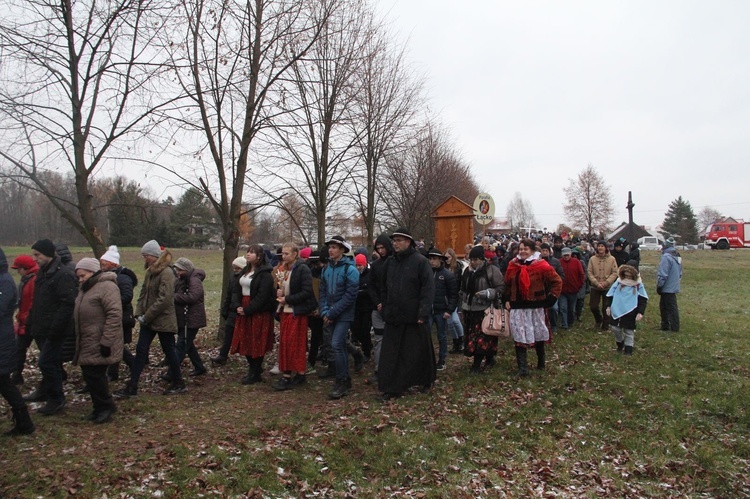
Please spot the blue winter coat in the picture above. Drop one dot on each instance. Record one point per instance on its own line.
(8, 300)
(339, 285)
(670, 271)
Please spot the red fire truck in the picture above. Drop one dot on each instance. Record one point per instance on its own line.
(728, 233)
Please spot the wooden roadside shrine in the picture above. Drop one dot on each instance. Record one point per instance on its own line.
(454, 225)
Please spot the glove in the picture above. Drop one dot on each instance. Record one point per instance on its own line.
(140, 319)
(105, 351)
(550, 301)
(658, 290)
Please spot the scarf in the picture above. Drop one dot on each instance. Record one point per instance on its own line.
(625, 293)
(524, 281)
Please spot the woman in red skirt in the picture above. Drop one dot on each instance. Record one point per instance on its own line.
(296, 301)
(255, 301)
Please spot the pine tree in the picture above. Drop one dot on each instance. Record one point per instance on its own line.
(680, 222)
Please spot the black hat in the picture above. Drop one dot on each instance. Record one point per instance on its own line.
(314, 256)
(403, 232)
(621, 242)
(340, 241)
(434, 252)
(476, 252)
(45, 247)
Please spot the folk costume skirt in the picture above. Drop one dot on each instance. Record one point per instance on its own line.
(253, 335)
(529, 326)
(293, 342)
(478, 343)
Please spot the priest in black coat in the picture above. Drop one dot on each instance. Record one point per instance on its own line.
(407, 357)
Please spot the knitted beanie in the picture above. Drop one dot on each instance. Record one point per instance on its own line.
(112, 255)
(90, 264)
(239, 262)
(151, 248)
(184, 264)
(45, 247)
(476, 252)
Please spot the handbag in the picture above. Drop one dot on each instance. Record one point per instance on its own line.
(494, 323)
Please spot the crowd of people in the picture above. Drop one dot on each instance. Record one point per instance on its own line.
(326, 307)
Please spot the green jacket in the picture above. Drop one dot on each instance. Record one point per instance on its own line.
(156, 300)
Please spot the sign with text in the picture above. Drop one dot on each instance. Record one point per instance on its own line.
(484, 208)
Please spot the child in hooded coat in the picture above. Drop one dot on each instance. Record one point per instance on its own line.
(626, 303)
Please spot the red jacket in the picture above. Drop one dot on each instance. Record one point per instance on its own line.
(26, 292)
(574, 276)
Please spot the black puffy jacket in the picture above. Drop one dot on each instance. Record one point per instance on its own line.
(55, 291)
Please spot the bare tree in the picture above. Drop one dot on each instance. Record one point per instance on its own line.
(707, 216)
(520, 213)
(313, 143)
(589, 204)
(385, 104)
(421, 175)
(76, 79)
(230, 57)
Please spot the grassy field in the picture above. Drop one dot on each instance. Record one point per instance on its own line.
(670, 421)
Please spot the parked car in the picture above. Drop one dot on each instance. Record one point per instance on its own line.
(649, 243)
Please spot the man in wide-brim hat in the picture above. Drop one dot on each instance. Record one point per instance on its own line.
(407, 357)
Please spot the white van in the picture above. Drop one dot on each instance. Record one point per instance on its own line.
(649, 243)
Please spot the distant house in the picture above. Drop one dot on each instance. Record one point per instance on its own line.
(630, 231)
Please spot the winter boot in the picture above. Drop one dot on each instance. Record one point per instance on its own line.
(476, 365)
(340, 389)
(359, 360)
(540, 355)
(259, 369)
(489, 361)
(38, 395)
(252, 369)
(457, 345)
(23, 424)
(628, 350)
(620, 345)
(523, 369)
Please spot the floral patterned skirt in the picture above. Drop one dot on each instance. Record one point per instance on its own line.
(478, 343)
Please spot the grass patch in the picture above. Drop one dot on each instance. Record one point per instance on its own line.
(669, 421)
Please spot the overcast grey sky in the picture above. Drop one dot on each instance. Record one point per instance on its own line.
(654, 94)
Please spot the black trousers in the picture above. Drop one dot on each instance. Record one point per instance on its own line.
(670, 314)
(10, 392)
(226, 344)
(23, 342)
(360, 328)
(316, 338)
(98, 384)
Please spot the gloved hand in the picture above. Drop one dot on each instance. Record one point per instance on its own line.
(550, 300)
(105, 351)
(140, 319)
(658, 290)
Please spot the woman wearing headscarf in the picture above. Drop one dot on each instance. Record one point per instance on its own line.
(531, 286)
(296, 301)
(481, 284)
(254, 299)
(98, 326)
